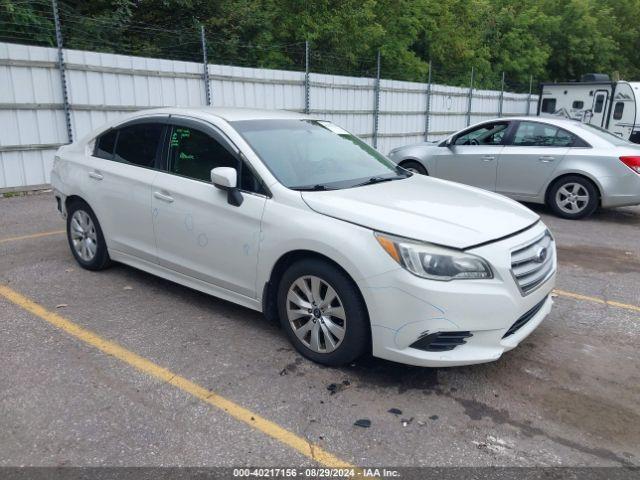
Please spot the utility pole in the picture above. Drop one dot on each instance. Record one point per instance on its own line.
(529, 97)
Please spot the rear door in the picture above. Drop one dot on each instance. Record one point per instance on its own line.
(533, 152)
(120, 185)
(473, 156)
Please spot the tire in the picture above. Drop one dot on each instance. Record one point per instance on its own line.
(573, 197)
(298, 313)
(85, 237)
(415, 167)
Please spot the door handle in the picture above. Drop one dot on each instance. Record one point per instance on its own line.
(162, 196)
(488, 158)
(96, 175)
(546, 159)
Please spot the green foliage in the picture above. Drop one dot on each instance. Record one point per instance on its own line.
(545, 39)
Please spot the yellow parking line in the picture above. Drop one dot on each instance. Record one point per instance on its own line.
(144, 365)
(586, 298)
(33, 235)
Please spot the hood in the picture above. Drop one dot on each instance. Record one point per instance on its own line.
(426, 209)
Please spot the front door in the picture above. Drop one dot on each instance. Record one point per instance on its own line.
(198, 232)
(472, 157)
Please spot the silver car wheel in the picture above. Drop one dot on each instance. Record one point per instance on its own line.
(316, 314)
(572, 198)
(83, 235)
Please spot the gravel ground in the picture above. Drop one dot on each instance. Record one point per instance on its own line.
(568, 395)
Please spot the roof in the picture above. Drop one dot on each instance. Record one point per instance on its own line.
(228, 114)
(552, 119)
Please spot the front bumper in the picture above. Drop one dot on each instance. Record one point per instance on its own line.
(403, 308)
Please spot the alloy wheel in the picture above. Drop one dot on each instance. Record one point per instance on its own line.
(316, 314)
(572, 198)
(83, 235)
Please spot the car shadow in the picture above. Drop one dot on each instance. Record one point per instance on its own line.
(617, 216)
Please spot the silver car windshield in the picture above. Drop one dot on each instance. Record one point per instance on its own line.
(316, 155)
(605, 134)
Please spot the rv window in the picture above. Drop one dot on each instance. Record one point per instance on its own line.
(548, 105)
(617, 110)
(599, 103)
(578, 104)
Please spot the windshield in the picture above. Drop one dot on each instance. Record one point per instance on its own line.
(605, 134)
(316, 155)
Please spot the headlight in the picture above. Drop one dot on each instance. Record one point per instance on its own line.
(431, 261)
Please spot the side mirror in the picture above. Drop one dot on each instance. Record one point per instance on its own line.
(226, 178)
(450, 142)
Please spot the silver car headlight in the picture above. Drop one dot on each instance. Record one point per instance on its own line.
(434, 262)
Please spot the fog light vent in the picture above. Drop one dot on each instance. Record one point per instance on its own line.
(441, 341)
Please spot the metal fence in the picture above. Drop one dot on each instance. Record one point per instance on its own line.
(50, 96)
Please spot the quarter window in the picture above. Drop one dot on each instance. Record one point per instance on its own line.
(105, 145)
(617, 110)
(535, 134)
(138, 144)
(548, 105)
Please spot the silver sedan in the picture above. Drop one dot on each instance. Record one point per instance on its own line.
(570, 166)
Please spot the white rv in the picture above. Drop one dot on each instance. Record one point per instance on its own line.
(597, 100)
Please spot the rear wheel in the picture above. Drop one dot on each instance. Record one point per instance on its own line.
(414, 167)
(573, 197)
(323, 313)
(85, 237)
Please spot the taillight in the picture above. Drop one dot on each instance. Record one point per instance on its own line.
(632, 162)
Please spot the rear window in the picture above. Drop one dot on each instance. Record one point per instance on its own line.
(603, 134)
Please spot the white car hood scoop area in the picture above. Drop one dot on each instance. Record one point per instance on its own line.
(428, 209)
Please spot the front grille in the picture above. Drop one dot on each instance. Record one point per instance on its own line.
(521, 322)
(440, 341)
(533, 263)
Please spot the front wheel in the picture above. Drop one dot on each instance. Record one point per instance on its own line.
(573, 197)
(323, 313)
(414, 167)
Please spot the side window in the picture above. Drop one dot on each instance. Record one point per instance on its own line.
(535, 134)
(193, 154)
(548, 105)
(597, 108)
(487, 134)
(105, 145)
(617, 110)
(578, 105)
(138, 144)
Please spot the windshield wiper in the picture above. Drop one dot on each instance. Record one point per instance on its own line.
(374, 180)
(311, 188)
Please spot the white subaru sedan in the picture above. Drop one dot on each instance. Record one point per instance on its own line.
(297, 218)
